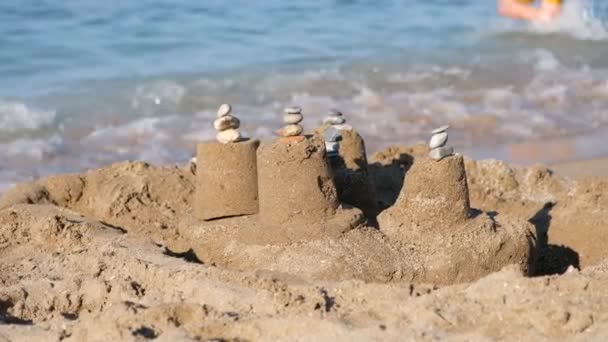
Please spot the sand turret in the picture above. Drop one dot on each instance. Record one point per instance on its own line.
(434, 195)
(296, 186)
(435, 192)
(226, 171)
(433, 213)
(348, 159)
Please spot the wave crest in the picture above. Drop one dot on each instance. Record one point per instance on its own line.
(16, 116)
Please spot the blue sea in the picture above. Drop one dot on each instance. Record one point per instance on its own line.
(84, 83)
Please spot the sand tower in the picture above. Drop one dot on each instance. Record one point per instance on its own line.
(297, 191)
(435, 192)
(226, 171)
(433, 213)
(348, 160)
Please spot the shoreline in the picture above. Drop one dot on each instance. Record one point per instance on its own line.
(579, 148)
(582, 169)
(577, 168)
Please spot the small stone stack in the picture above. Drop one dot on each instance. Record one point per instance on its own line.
(334, 125)
(336, 119)
(332, 137)
(437, 144)
(292, 131)
(227, 125)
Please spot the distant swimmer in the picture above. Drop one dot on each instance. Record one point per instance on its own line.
(525, 9)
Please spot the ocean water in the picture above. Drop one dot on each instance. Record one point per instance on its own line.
(84, 83)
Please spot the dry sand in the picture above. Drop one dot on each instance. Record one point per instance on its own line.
(117, 254)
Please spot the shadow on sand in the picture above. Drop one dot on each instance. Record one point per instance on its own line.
(388, 179)
(552, 259)
(6, 318)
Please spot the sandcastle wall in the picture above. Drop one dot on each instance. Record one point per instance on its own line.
(227, 182)
(295, 182)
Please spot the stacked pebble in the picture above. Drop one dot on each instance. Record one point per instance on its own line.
(333, 134)
(292, 118)
(226, 125)
(437, 144)
(332, 137)
(334, 118)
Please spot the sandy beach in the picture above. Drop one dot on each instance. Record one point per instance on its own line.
(322, 200)
(117, 253)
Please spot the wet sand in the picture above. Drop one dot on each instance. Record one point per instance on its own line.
(583, 169)
(117, 253)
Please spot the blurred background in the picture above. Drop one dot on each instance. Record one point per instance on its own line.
(86, 82)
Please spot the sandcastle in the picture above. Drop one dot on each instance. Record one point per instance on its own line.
(433, 210)
(348, 159)
(226, 171)
(429, 235)
(296, 187)
(287, 183)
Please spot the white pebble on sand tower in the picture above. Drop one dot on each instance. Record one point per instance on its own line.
(333, 134)
(437, 144)
(292, 130)
(336, 119)
(227, 126)
(332, 137)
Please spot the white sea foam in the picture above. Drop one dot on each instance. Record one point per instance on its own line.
(577, 19)
(152, 139)
(385, 107)
(544, 60)
(17, 116)
(135, 133)
(34, 149)
(149, 98)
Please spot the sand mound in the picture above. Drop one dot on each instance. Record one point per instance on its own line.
(559, 208)
(433, 213)
(134, 196)
(116, 253)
